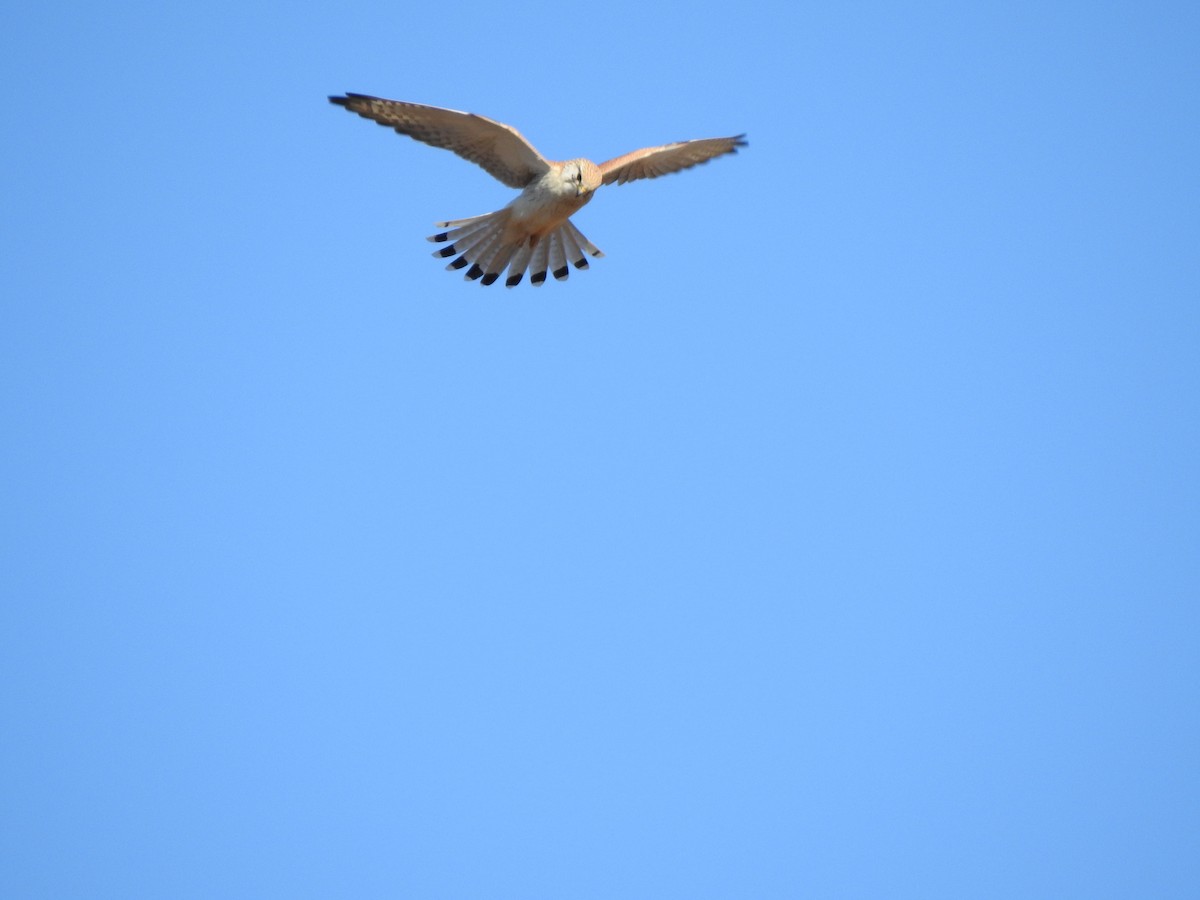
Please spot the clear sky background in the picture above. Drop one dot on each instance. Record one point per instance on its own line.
(836, 535)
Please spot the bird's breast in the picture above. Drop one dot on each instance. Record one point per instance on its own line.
(547, 202)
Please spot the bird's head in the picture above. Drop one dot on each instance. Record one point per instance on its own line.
(583, 176)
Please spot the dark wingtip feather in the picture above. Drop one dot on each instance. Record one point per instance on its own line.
(514, 280)
(349, 97)
(561, 274)
(445, 251)
(581, 263)
(474, 272)
(537, 278)
(490, 277)
(458, 263)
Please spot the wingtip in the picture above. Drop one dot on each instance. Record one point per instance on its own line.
(349, 97)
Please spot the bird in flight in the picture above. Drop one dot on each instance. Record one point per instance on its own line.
(534, 231)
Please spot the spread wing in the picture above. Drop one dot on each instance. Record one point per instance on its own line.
(499, 149)
(654, 161)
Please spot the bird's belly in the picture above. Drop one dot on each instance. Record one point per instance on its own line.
(539, 210)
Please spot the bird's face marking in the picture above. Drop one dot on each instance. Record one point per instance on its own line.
(581, 176)
(573, 176)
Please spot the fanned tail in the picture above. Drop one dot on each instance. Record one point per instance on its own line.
(491, 243)
(552, 254)
(476, 241)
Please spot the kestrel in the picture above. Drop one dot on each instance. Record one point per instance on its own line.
(534, 231)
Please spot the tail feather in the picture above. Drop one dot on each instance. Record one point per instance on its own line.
(458, 223)
(467, 248)
(463, 233)
(584, 244)
(501, 259)
(477, 253)
(571, 248)
(467, 253)
(557, 257)
(537, 263)
(470, 238)
(490, 244)
(484, 266)
(520, 261)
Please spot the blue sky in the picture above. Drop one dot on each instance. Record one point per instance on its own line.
(836, 535)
